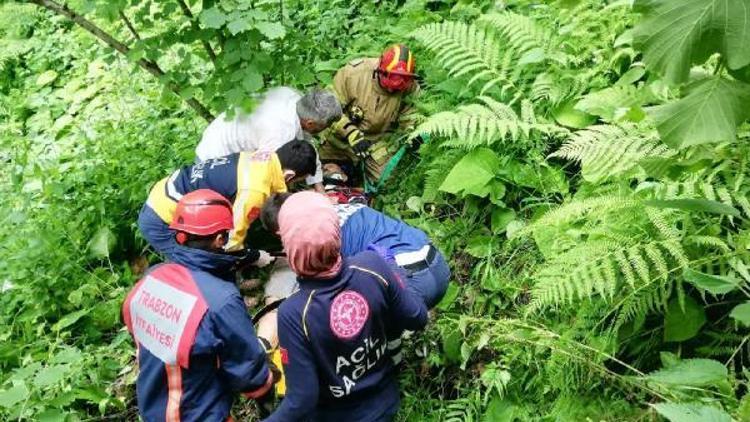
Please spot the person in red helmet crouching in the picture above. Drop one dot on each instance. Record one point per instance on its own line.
(373, 93)
(333, 330)
(196, 345)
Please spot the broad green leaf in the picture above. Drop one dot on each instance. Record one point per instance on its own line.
(500, 219)
(681, 325)
(680, 412)
(697, 205)
(70, 319)
(46, 78)
(415, 203)
(675, 34)
(611, 102)
(714, 284)
(238, 25)
(472, 172)
(452, 346)
(450, 296)
(691, 373)
(741, 313)
(568, 115)
(102, 243)
(481, 246)
(52, 415)
(272, 30)
(252, 81)
(213, 18)
(13, 395)
(710, 112)
(50, 375)
(499, 410)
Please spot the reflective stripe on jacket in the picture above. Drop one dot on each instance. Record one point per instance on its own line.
(247, 179)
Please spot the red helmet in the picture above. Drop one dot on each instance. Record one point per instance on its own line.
(396, 68)
(202, 212)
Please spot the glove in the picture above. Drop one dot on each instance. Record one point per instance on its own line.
(417, 141)
(264, 259)
(362, 148)
(359, 144)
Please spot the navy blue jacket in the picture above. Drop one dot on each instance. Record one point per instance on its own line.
(362, 226)
(332, 334)
(225, 356)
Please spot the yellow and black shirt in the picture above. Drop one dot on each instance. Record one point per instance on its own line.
(247, 179)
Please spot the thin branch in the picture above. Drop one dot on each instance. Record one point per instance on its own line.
(129, 25)
(147, 65)
(194, 24)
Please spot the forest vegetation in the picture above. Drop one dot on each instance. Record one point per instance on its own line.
(587, 176)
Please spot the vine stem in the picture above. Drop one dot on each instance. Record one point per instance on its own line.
(148, 65)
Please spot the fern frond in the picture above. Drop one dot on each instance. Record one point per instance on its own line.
(492, 50)
(475, 125)
(575, 210)
(606, 151)
(608, 270)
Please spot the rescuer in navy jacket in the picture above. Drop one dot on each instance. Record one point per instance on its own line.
(195, 340)
(333, 330)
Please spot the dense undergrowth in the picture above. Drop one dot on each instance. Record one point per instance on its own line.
(587, 176)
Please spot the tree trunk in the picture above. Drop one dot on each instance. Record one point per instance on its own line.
(148, 65)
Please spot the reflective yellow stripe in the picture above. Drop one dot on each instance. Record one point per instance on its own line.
(410, 63)
(258, 175)
(396, 56)
(304, 314)
(163, 205)
(371, 272)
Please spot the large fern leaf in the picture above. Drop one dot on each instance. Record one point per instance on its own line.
(475, 125)
(606, 151)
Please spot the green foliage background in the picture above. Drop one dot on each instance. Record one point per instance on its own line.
(587, 177)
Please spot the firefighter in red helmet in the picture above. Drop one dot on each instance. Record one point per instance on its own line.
(196, 347)
(372, 93)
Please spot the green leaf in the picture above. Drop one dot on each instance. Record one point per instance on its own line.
(415, 203)
(691, 373)
(252, 81)
(481, 246)
(741, 313)
(675, 34)
(452, 346)
(500, 219)
(70, 319)
(710, 112)
(102, 243)
(681, 325)
(213, 18)
(611, 102)
(272, 30)
(238, 25)
(46, 78)
(679, 412)
(499, 410)
(449, 298)
(472, 172)
(52, 415)
(14, 395)
(697, 205)
(714, 284)
(50, 375)
(568, 115)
